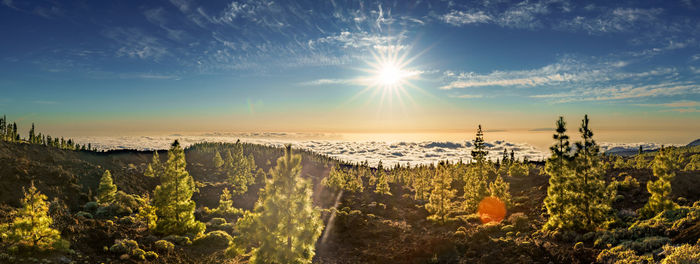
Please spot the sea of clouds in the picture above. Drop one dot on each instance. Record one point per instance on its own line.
(389, 152)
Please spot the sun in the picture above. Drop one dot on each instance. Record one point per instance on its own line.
(390, 69)
(389, 74)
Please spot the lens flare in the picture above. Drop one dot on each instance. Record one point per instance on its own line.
(491, 209)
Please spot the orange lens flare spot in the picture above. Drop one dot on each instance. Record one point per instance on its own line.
(491, 209)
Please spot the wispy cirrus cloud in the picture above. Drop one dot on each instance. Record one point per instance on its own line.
(466, 96)
(565, 71)
(353, 81)
(458, 17)
(134, 43)
(616, 20)
(623, 91)
(157, 17)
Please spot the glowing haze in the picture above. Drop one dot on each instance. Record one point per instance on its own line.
(440, 67)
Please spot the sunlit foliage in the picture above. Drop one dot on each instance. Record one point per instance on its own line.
(665, 164)
(173, 197)
(284, 225)
(107, 189)
(591, 198)
(558, 167)
(440, 203)
(31, 225)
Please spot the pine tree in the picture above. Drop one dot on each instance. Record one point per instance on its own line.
(284, 225)
(173, 197)
(3, 122)
(354, 182)
(640, 162)
(217, 160)
(421, 184)
(591, 205)
(479, 153)
(558, 168)
(619, 163)
(382, 181)
(31, 225)
(476, 186)
(501, 189)
(147, 213)
(107, 189)
(239, 170)
(155, 168)
(440, 203)
(336, 179)
(32, 135)
(226, 203)
(665, 165)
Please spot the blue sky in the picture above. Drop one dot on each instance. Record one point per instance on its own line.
(101, 67)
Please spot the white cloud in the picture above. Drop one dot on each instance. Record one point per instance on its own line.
(361, 39)
(614, 20)
(566, 71)
(624, 91)
(390, 153)
(467, 96)
(458, 18)
(157, 17)
(135, 44)
(355, 81)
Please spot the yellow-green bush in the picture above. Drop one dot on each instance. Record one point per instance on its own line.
(178, 240)
(620, 255)
(164, 246)
(683, 254)
(215, 240)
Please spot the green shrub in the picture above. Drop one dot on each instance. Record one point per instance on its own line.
(473, 218)
(178, 240)
(618, 198)
(151, 256)
(91, 207)
(215, 240)
(83, 214)
(139, 254)
(520, 221)
(683, 254)
(164, 246)
(126, 220)
(620, 255)
(518, 170)
(646, 244)
(628, 182)
(217, 221)
(124, 246)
